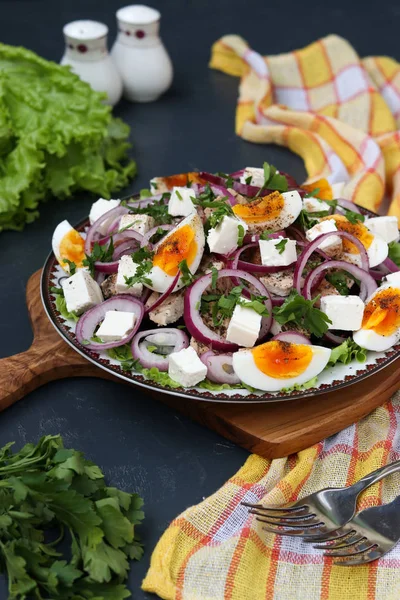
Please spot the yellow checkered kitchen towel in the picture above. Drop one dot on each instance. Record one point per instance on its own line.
(339, 114)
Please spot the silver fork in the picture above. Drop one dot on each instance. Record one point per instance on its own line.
(366, 537)
(320, 513)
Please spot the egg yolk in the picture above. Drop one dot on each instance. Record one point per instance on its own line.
(262, 209)
(357, 229)
(382, 313)
(323, 186)
(179, 246)
(182, 179)
(72, 247)
(282, 360)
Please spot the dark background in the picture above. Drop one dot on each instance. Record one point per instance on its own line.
(142, 445)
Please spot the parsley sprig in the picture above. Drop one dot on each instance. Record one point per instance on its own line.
(186, 274)
(221, 208)
(222, 307)
(71, 264)
(158, 210)
(273, 180)
(353, 217)
(99, 253)
(281, 245)
(144, 259)
(299, 311)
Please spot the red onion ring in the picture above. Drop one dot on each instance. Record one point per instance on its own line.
(335, 339)
(391, 265)
(100, 277)
(194, 322)
(292, 337)
(368, 283)
(148, 359)
(377, 275)
(237, 174)
(164, 295)
(348, 205)
(92, 231)
(88, 322)
(127, 247)
(147, 236)
(128, 234)
(144, 202)
(219, 368)
(313, 246)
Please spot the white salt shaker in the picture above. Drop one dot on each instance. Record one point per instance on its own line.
(140, 55)
(86, 51)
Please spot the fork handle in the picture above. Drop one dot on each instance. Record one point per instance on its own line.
(376, 476)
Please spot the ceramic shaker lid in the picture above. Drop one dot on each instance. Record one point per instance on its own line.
(85, 30)
(138, 14)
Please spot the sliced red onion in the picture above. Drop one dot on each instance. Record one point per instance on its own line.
(368, 283)
(313, 247)
(219, 190)
(118, 238)
(127, 247)
(277, 300)
(194, 322)
(237, 174)
(147, 236)
(92, 232)
(144, 202)
(296, 233)
(87, 324)
(164, 295)
(219, 368)
(250, 190)
(100, 277)
(129, 240)
(176, 339)
(390, 265)
(348, 205)
(252, 267)
(292, 337)
(335, 339)
(377, 275)
(106, 267)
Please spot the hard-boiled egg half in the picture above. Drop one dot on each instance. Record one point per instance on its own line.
(380, 329)
(376, 247)
(68, 245)
(275, 211)
(184, 242)
(276, 365)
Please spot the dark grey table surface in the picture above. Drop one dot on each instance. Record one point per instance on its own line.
(142, 445)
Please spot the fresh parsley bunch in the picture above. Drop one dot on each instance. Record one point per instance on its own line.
(50, 493)
(299, 311)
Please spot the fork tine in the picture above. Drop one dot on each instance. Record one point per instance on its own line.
(353, 562)
(355, 544)
(296, 525)
(283, 509)
(306, 517)
(356, 553)
(287, 531)
(341, 541)
(329, 536)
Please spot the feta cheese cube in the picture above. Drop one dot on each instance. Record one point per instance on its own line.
(127, 268)
(345, 312)
(81, 292)
(99, 208)
(333, 243)
(224, 238)
(140, 223)
(278, 252)
(117, 325)
(314, 205)
(186, 368)
(393, 279)
(244, 326)
(386, 227)
(180, 203)
(256, 174)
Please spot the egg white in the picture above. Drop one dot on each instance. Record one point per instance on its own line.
(60, 232)
(246, 369)
(160, 280)
(291, 209)
(369, 339)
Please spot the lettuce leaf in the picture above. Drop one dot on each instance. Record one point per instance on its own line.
(346, 352)
(56, 137)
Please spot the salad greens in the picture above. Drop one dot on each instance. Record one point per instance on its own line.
(394, 252)
(299, 311)
(56, 137)
(61, 304)
(346, 352)
(49, 491)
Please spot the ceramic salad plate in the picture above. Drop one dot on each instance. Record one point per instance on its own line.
(213, 287)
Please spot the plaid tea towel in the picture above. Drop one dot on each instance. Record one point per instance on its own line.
(217, 551)
(340, 115)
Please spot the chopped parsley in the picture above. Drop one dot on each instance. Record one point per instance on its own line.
(99, 253)
(206, 197)
(340, 281)
(179, 195)
(313, 194)
(186, 274)
(228, 178)
(221, 208)
(353, 217)
(306, 220)
(299, 311)
(144, 259)
(256, 303)
(281, 245)
(214, 277)
(71, 264)
(145, 193)
(158, 210)
(273, 180)
(241, 234)
(265, 235)
(248, 180)
(394, 252)
(222, 307)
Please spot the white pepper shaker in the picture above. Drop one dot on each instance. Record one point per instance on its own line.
(140, 55)
(86, 51)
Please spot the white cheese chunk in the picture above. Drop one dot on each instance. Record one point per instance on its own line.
(333, 243)
(256, 175)
(186, 368)
(224, 238)
(99, 208)
(386, 227)
(393, 279)
(345, 312)
(140, 223)
(81, 292)
(127, 268)
(180, 203)
(117, 324)
(314, 205)
(278, 252)
(244, 326)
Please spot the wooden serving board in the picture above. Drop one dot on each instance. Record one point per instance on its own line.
(272, 430)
